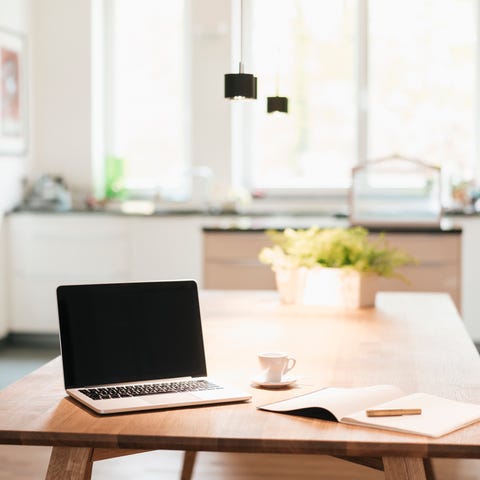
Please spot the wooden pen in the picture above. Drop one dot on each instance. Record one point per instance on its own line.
(394, 412)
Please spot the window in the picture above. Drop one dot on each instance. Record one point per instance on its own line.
(422, 81)
(147, 121)
(306, 51)
(365, 79)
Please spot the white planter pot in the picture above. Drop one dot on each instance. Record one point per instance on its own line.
(336, 287)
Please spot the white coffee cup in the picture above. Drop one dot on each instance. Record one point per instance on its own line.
(275, 365)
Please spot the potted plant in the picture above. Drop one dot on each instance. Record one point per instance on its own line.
(331, 266)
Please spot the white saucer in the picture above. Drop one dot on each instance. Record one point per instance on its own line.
(287, 380)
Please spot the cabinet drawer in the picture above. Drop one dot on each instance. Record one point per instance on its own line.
(443, 278)
(241, 276)
(427, 248)
(234, 245)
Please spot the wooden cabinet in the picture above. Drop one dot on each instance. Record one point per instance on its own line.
(231, 262)
(165, 248)
(439, 264)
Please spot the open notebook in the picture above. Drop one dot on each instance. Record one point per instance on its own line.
(348, 405)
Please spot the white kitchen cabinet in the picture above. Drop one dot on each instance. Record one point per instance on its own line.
(165, 248)
(47, 250)
(470, 274)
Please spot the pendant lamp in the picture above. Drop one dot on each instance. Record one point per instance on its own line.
(276, 103)
(240, 86)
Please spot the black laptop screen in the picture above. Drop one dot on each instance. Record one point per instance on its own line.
(114, 333)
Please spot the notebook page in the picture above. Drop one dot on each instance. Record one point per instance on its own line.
(439, 415)
(339, 401)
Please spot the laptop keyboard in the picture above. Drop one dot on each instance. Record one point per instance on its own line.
(148, 389)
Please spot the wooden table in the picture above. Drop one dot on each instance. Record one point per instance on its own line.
(414, 341)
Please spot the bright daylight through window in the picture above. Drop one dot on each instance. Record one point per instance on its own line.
(310, 47)
(364, 79)
(147, 123)
(396, 79)
(422, 81)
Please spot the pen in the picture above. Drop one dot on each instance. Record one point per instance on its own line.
(394, 412)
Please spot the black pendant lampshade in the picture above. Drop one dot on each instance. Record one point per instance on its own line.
(240, 86)
(277, 104)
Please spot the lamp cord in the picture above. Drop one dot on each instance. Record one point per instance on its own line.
(277, 69)
(241, 37)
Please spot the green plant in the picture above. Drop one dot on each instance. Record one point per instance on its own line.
(334, 248)
(114, 178)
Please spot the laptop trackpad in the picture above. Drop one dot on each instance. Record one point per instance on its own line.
(167, 398)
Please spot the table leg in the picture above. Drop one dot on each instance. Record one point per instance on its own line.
(430, 474)
(375, 463)
(70, 462)
(404, 468)
(188, 464)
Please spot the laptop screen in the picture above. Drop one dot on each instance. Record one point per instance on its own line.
(128, 332)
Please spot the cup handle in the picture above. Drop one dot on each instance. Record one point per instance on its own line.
(290, 364)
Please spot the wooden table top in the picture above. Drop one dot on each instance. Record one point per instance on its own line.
(413, 340)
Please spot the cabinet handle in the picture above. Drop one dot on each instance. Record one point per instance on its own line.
(70, 277)
(242, 263)
(432, 263)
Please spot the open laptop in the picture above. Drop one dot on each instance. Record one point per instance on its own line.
(135, 346)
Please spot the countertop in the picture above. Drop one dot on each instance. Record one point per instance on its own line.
(230, 221)
(375, 229)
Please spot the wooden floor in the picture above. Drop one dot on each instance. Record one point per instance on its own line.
(30, 463)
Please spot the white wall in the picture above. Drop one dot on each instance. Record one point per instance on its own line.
(211, 113)
(62, 90)
(15, 16)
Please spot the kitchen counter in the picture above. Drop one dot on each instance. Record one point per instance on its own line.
(257, 227)
(180, 211)
(224, 220)
(46, 249)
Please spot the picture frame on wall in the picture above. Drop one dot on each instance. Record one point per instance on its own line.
(13, 95)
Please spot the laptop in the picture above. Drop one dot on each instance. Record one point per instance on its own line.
(136, 346)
